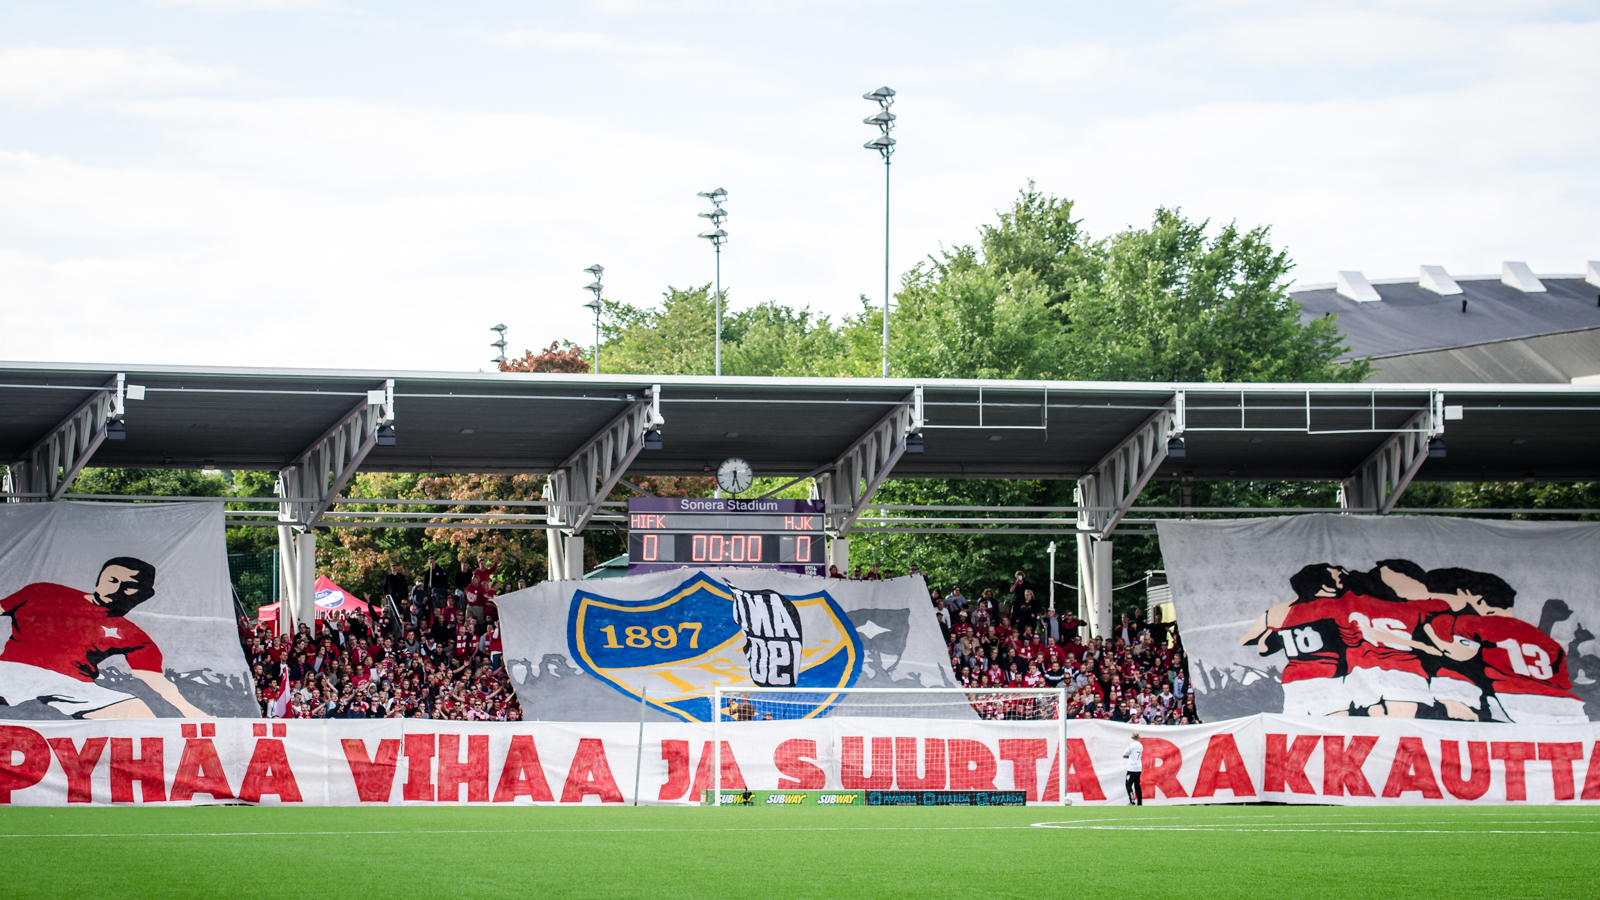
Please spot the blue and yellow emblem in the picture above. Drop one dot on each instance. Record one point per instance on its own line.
(704, 633)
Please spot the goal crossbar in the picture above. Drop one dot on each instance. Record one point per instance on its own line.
(1058, 693)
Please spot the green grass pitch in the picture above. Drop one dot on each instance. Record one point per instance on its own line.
(1272, 852)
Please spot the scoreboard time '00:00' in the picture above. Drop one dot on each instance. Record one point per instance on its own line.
(725, 548)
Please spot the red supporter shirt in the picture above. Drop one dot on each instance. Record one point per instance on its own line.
(1517, 657)
(58, 628)
(1352, 611)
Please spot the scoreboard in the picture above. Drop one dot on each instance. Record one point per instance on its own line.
(699, 532)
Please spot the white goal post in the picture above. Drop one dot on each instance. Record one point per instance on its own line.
(738, 704)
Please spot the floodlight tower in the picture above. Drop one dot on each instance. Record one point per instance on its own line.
(717, 237)
(500, 344)
(884, 144)
(596, 270)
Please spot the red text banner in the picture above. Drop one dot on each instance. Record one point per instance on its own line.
(1297, 759)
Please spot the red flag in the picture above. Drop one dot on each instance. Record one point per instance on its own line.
(280, 706)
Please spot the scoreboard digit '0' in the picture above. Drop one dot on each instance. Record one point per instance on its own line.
(700, 532)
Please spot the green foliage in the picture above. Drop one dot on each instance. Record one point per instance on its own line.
(1506, 495)
(973, 561)
(151, 482)
(675, 339)
(1169, 303)
(773, 339)
(1034, 298)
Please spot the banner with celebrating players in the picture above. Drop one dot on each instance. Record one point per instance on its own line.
(115, 611)
(594, 651)
(337, 762)
(1389, 617)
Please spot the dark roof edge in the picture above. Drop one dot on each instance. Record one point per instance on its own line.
(1525, 337)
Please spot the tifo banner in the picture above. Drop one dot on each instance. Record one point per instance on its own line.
(1289, 759)
(586, 651)
(118, 611)
(1408, 617)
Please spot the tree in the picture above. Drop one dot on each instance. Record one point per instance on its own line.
(1170, 303)
(675, 339)
(560, 356)
(1035, 298)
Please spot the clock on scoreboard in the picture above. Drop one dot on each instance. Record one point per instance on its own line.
(701, 532)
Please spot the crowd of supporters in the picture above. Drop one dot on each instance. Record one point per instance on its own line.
(430, 650)
(1011, 639)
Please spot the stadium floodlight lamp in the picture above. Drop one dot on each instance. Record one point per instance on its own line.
(1436, 448)
(385, 436)
(116, 431)
(1176, 449)
(883, 144)
(914, 443)
(652, 440)
(499, 344)
(594, 303)
(717, 237)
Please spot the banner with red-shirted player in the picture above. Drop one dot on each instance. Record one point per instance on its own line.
(1389, 617)
(1289, 759)
(116, 611)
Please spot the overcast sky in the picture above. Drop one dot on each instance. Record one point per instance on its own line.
(325, 183)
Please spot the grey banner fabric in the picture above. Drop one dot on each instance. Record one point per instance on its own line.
(119, 609)
(1225, 574)
(580, 651)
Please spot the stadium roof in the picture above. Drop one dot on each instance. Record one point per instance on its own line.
(1406, 317)
(235, 418)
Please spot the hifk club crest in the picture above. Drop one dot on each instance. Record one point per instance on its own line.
(704, 633)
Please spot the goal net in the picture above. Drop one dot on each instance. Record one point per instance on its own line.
(998, 713)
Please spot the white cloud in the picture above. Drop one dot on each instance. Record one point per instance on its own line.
(45, 76)
(203, 218)
(578, 41)
(236, 6)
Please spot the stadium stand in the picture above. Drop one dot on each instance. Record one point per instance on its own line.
(437, 661)
(435, 664)
(1138, 674)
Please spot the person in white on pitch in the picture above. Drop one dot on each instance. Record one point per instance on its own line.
(1135, 756)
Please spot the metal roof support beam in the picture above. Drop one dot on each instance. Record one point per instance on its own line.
(51, 465)
(1379, 481)
(313, 481)
(580, 485)
(1109, 489)
(849, 484)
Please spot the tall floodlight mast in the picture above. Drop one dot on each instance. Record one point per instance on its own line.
(884, 144)
(500, 344)
(596, 270)
(717, 237)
